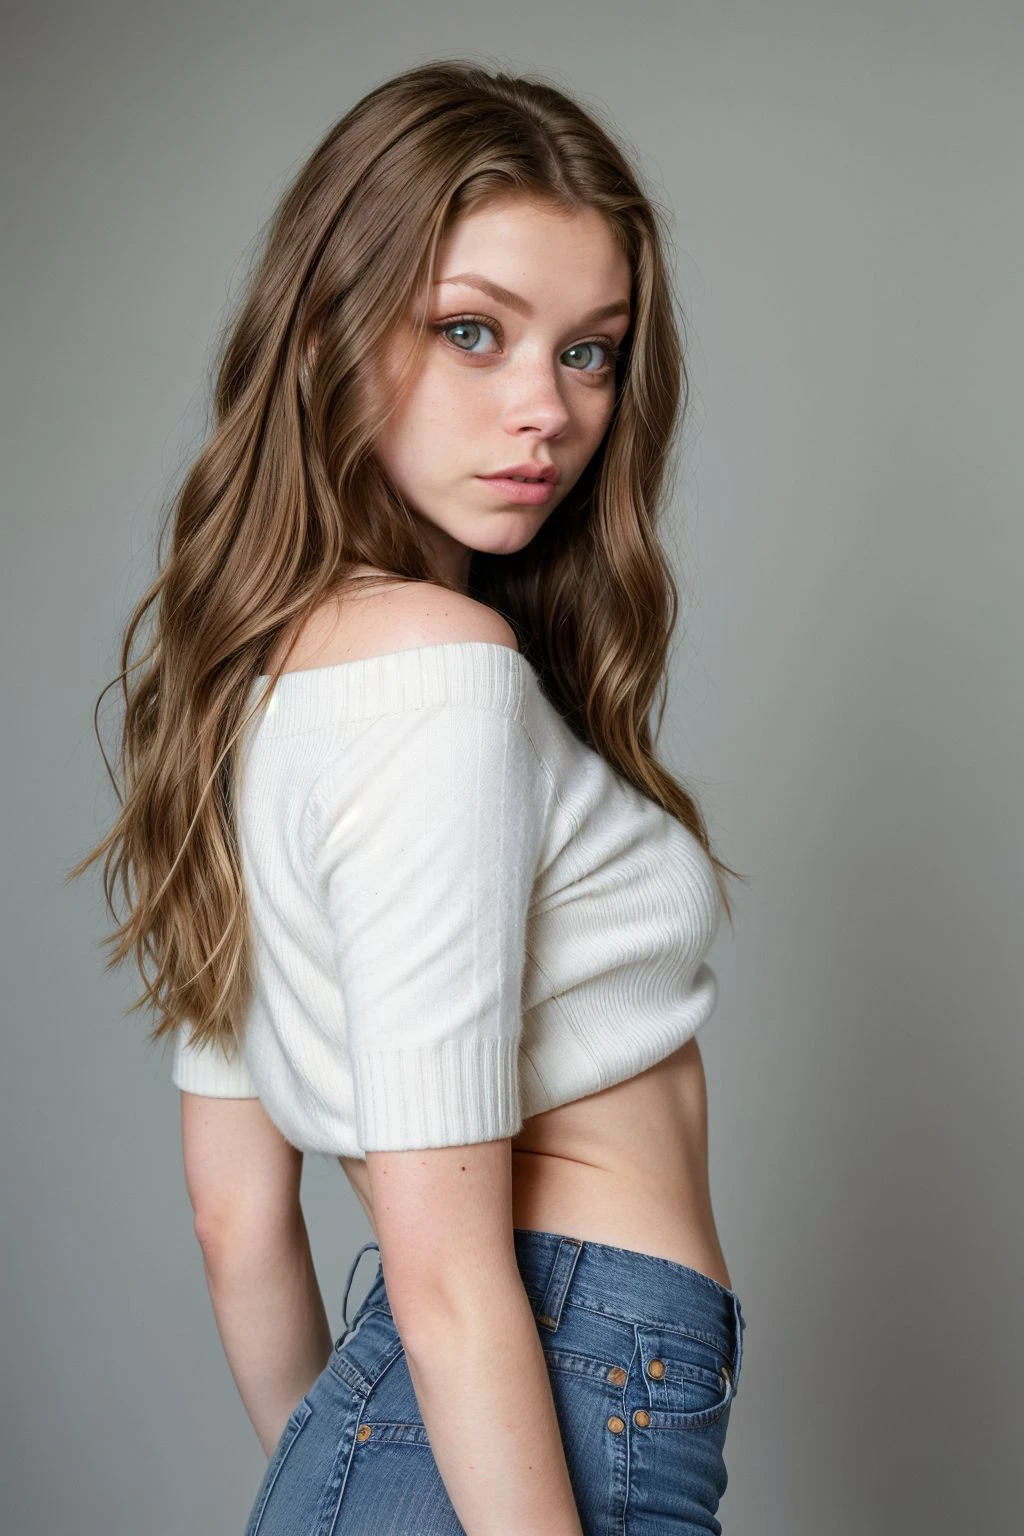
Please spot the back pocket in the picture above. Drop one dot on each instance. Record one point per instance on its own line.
(292, 1429)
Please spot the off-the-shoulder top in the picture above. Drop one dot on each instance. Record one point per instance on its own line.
(462, 915)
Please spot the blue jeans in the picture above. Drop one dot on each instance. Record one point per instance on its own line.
(644, 1359)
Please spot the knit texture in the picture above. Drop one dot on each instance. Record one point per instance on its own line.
(462, 915)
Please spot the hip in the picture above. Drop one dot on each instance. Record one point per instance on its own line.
(644, 1358)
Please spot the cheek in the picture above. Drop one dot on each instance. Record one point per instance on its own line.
(444, 424)
(427, 440)
(452, 394)
(597, 420)
(442, 390)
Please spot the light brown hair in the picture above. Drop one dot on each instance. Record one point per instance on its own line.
(286, 496)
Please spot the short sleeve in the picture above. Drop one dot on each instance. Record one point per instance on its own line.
(206, 1069)
(428, 833)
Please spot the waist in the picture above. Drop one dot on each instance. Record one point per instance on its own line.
(626, 1166)
(649, 1210)
(622, 1285)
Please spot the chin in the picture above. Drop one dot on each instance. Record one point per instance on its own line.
(509, 542)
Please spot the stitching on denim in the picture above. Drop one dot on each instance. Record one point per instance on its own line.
(714, 1339)
(306, 1412)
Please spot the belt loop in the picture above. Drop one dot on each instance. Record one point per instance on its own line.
(351, 1275)
(549, 1313)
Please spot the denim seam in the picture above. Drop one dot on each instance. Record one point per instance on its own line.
(716, 1340)
(304, 1412)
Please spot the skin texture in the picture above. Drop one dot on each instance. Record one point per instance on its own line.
(513, 384)
(243, 1181)
(510, 389)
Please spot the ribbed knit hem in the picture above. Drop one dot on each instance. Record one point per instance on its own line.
(207, 1070)
(481, 672)
(444, 1095)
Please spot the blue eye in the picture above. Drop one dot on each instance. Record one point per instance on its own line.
(588, 346)
(471, 327)
(467, 325)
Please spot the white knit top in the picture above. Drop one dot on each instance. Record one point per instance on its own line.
(462, 915)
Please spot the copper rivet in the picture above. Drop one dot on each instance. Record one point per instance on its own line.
(656, 1368)
(616, 1425)
(363, 1432)
(641, 1417)
(617, 1375)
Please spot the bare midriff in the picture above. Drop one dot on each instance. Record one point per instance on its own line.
(626, 1166)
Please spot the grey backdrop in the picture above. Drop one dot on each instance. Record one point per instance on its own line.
(846, 700)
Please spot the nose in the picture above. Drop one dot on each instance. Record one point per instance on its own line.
(534, 402)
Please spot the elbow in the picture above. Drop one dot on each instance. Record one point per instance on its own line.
(230, 1233)
(429, 1315)
(230, 1247)
(216, 1232)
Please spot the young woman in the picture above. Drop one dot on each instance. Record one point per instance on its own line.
(402, 851)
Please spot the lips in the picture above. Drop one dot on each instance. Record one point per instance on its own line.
(532, 492)
(544, 473)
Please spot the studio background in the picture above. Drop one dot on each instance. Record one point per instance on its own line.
(844, 184)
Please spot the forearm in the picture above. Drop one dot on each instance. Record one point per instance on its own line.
(271, 1319)
(482, 1384)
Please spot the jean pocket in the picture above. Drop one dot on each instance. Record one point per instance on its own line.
(292, 1429)
(689, 1378)
(391, 1408)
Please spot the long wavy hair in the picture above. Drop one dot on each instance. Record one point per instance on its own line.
(286, 496)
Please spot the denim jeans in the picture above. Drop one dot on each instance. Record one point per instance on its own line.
(644, 1359)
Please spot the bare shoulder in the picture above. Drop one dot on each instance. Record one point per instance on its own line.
(394, 616)
(421, 613)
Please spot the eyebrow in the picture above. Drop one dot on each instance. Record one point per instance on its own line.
(513, 301)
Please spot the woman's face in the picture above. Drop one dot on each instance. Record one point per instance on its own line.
(513, 378)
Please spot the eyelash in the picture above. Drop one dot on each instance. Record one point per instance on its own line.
(614, 352)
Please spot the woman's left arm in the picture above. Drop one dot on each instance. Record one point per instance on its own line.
(243, 1181)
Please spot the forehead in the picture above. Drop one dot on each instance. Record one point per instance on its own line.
(542, 253)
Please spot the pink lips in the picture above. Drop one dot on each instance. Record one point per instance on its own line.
(529, 492)
(523, 493)
(530, 471)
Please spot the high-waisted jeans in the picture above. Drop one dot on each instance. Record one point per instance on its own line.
(644, 1359)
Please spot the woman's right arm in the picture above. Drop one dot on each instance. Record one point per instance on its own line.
(243, 1182)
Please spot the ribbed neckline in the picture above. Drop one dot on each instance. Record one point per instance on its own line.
(470, 671)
